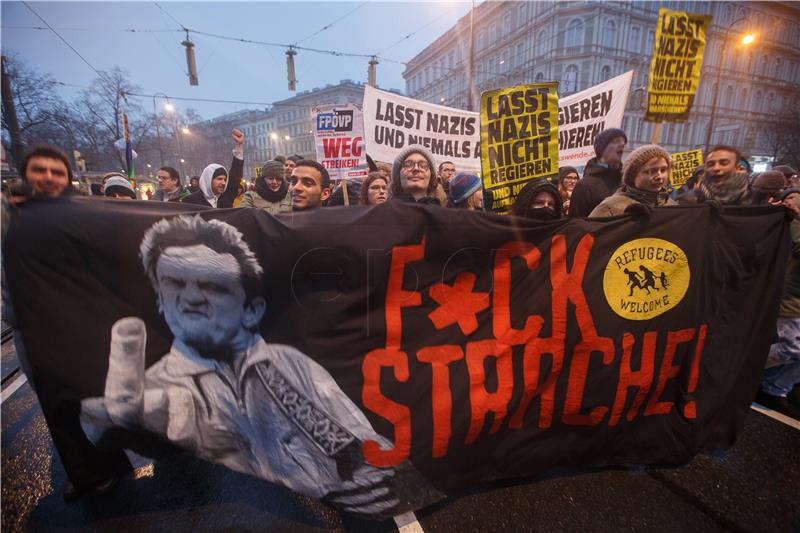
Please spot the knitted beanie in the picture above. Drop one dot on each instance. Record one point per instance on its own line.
(401, 157)
(272, 169)
(638, 158)
(602, 139)
(463, 186)
(786, 170)
(120, 185)
(770, 182)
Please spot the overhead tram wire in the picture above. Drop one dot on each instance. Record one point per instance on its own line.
(63, 40)
(330, 24)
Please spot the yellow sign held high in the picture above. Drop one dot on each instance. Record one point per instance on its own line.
(675, 67)
(519, 140)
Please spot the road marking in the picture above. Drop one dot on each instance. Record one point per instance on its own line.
(407, 523)
(12, 387)
(780, 417)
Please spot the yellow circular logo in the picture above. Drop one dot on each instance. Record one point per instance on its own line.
(645, 278)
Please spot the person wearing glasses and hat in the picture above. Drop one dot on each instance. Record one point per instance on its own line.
(412, 177)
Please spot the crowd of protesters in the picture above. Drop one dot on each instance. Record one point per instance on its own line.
(612, 185)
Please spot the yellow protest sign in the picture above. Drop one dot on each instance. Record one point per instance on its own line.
(519, 140)
(675, 67)
(683, 165)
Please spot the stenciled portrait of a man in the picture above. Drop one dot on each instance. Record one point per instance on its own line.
(225, 394)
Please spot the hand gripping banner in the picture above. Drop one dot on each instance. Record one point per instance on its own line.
(379, 358)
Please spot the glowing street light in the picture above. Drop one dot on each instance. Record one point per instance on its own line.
(746, 40)
(185, 131)
(169, 107)
(273, 136)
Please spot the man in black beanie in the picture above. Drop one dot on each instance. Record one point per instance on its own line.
(602, 175)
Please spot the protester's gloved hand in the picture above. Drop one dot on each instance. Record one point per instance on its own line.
(639, 210)
(715, 206)
(124, 396)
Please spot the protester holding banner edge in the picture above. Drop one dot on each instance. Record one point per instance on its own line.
(645, 176)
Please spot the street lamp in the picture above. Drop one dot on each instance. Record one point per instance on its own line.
(746, 40)
(169, 107)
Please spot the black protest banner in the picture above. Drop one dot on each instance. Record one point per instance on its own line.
(519, 140)
(378, 358)
(675, 67)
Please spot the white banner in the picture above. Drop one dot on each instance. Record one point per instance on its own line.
(583, 115)
(339, 140)
(393, 122)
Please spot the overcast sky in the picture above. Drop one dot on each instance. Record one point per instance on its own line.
(228, 70)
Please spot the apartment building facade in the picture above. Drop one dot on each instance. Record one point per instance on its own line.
(580, 44)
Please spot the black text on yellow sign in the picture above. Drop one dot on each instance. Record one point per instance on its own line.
(675, 67)
(683, 166)
(519, 139)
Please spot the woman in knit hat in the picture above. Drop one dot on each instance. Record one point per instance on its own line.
(373, 190)
(465, 192)
(645, 176)
(567, 179)
(272, 190)
(413, 176)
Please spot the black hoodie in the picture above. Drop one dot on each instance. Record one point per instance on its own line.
(598, 183)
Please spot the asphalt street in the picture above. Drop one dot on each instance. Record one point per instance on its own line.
(752, 487)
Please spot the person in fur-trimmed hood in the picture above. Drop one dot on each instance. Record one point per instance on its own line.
(413, 177)
(272, 190)
(645, 176)
(217, 188)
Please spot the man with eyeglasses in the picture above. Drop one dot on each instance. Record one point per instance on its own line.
(272, 190)
(169, 185)
(412, 176)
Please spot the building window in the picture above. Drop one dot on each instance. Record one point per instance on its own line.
(648, 45)
(481, 41)
(543, 43)
(570, 80)
(519, 57)
(522, 14)
(728, 100)
(506, 24)
(635, 39)
(574, 34)
(756, 103)
(605, 73)
(610, 34)
(493, 34)
(539, 77)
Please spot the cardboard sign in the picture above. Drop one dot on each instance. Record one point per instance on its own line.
(675, 67)
(339, 140)
(583, 115)
(519, 140)
(393, 122)
(683, 165)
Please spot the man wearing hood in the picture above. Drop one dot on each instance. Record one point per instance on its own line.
(217, 188)
(602, 175)
(724, 179)
(539, 200)
(272, 190)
